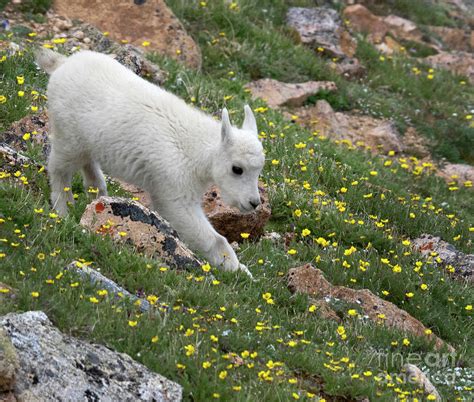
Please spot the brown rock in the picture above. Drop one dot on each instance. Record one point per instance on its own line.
(454, 38)
(348, 43)
(362, 20)
(277, 93)
(374, 133)
(307, 279)
(463, 264)
(389, 46)
(127, 221)
(458, 172)
(461, 63)
(348, 67)
(402, 28)
(415, 144)
(230, 222)
(137, 22)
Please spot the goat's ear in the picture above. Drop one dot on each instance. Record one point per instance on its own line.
(249, 122)
(226, 128)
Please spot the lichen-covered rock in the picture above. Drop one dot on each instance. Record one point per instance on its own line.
(55, 366)
(322, 27)
(128, 221)
(277, 93)
(309, 280)
(462, 264)
(414, 374)
(230, 222)
(149, 21)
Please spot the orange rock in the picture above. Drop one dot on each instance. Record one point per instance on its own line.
(137, 22)
(309, 280)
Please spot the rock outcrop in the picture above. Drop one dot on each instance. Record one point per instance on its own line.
(277, 93)
(309, 280)
(128, 221)
(54, 366)
(463, 264)
(138, 22)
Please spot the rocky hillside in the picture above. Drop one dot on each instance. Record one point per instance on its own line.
(362, 251)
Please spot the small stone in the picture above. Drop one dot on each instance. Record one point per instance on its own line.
(78, 35)
(87, 40)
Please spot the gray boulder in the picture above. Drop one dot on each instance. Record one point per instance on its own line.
(54, 366)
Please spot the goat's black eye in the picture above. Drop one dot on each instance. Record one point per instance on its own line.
(237, 170)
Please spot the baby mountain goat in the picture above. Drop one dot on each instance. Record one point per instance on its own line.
(102, 116)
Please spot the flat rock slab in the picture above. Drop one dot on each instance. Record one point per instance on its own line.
(463, 264)
(309, 280)
(137, 22)
(460, 63)
(277, 93)
(55, 366)
(128, 221)
(230, 222)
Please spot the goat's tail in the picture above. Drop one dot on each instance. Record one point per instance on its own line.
(48, 60)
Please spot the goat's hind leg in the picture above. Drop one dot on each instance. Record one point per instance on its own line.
(60, 171)
(94, 178)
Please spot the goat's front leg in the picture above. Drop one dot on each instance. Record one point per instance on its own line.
(197, 232)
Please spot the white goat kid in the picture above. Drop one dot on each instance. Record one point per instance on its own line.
(104, 116)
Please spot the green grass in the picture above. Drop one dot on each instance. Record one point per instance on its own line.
(38, 247)
(338, 192)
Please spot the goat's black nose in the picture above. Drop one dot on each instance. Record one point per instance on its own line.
(254, 203)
